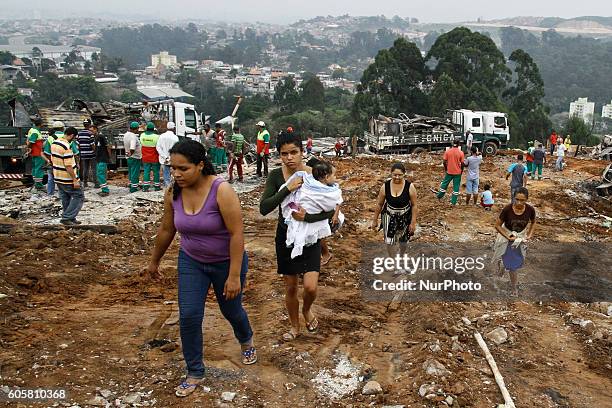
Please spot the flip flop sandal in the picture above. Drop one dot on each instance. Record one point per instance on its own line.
(249, 356)
(289, 336)
(184, 389)
(328, 259)
(313, 325)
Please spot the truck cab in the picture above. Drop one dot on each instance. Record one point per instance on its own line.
(489, 129)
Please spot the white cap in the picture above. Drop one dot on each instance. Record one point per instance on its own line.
(171, 125)
(260, 123)
(58, 125)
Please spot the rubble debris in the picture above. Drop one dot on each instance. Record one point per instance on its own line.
(227, 396)
(371, 388)
(498, 335)
(340, 381)
(435, 368)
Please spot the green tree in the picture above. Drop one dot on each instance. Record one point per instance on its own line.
(286, 96)
(37, 53)
(470, 58)
(127, 79)
(6, 58)
(338, 73)
(579, 131)
(393, 83)
(525, 97)
(129, 96)
(6, 94)
(448, 94)
(313, 94)
(52, 90)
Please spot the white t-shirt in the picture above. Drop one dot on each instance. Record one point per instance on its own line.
(131, 141)
(164, 143)
(561, 150)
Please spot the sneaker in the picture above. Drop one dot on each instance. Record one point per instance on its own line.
(103, 193)
(67, 222)
(76, 222)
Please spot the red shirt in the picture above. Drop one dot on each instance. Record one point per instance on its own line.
(309, 142)
(454, 159)
(553, 138)
(220, 138)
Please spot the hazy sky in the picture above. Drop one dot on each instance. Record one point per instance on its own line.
(283, 12)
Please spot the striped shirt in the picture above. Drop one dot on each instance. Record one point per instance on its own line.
(62, 157)
(86, 143)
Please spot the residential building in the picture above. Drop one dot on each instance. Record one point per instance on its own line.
(606, 111)
(583, 109)
(163, 58)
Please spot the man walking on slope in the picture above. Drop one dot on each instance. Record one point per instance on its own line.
(164, 144)
(150, 158)
(133, 152)
(263, 148)
(453, 167)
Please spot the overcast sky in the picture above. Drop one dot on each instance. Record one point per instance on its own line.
(284, 12)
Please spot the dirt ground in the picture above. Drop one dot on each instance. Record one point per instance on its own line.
(78, 316)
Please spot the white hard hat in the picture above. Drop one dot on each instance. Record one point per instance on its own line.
(261, 123)
(171, 125)
(58, 124)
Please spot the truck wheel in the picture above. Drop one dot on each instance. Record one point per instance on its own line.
(490, 149)
(418, 150)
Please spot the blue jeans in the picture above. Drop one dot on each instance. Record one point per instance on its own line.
(194, 279)
(166, 173)
(72, 201)
(50, 182)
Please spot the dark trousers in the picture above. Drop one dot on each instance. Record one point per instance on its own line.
(194, 279)
(236, 160)
(262, 160)
(72, 201)
(88, 170)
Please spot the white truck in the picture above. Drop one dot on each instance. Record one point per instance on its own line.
(489, 129)
(422, 133)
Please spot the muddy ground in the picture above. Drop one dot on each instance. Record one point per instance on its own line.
(77, 314)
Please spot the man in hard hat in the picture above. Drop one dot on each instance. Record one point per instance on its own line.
(263, 148)
(164, 144)
(35, 142)
(133, 152)
(150, 157)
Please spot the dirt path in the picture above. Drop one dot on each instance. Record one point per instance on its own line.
(93, 323)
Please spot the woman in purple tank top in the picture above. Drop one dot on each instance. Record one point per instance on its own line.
(206, 212)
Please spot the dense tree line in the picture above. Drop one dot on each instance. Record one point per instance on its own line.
(571, 67)
(134, 46)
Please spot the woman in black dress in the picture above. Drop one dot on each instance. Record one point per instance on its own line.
(289, 145)
(397, 206)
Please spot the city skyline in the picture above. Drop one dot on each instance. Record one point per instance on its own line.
(269, 11)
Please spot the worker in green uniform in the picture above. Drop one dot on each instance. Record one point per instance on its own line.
(150, 158)
(35, 144)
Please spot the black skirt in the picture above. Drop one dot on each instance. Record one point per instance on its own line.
(309, 261)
